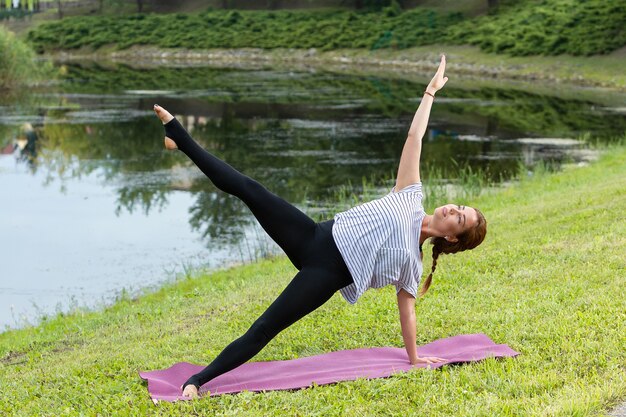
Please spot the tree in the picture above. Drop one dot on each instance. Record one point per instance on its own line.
(492, 3)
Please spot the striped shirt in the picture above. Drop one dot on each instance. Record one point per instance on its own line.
(379, 242)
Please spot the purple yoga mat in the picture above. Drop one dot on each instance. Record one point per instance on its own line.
(344, 365)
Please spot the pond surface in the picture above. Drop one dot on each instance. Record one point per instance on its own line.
(93, 205)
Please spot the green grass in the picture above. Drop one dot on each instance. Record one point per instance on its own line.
(548, 281)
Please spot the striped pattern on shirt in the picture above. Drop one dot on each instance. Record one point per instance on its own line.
(379, 242)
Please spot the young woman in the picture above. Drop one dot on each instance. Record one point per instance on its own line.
(369, 246)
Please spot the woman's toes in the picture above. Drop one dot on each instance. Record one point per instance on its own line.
(163, 114)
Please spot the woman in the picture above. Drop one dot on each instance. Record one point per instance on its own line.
(369, 246)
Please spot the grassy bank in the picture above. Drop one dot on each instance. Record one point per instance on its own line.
(548, 281)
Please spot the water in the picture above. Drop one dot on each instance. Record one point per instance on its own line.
(93, 205)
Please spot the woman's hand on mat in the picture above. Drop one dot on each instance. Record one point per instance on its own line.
(190, 391)
(438, 80)
(427, 359)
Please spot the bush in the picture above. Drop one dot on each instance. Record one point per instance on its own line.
(17, 65)
(548, 27)
(240, 29)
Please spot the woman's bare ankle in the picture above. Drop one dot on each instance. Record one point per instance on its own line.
(170, 144)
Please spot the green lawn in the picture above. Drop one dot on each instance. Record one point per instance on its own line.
(549, 281)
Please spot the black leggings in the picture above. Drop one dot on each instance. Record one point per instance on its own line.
(309, 246)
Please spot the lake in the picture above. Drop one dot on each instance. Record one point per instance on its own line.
(93, 207)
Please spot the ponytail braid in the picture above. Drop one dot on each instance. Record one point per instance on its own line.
(432, 271)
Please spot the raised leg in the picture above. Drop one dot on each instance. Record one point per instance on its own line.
(289, 227)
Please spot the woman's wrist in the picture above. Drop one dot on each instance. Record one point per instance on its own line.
(430, 91)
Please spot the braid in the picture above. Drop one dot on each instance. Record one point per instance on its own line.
(429, 279)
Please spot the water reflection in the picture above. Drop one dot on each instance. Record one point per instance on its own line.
(301, 134)
(24, 145)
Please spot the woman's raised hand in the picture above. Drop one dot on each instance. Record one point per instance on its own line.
(438, 80)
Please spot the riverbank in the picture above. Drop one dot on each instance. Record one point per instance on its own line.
(468, 61)
(548, 281)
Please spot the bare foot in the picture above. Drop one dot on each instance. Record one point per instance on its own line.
(190, 391)
(165, 117)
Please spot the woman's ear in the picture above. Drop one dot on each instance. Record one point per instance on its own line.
(452, 239)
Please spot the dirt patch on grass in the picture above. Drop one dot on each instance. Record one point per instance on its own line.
(65, 345)
(13, 358)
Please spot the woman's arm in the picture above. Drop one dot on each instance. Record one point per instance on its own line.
(406, 306)
(408, 171)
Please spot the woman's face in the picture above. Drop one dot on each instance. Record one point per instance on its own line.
(451, 220)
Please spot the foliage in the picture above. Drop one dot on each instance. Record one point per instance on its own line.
(548, 27)
(239, 29)
(17, 62)
(547, 281)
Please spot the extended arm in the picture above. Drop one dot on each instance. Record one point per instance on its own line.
(406, 306)
(408, 170)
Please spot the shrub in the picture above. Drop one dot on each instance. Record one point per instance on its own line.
(548, 27)
(17, 62)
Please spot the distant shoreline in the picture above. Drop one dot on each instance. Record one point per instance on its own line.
(601, 71)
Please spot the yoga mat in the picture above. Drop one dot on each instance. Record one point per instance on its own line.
(344, 365)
